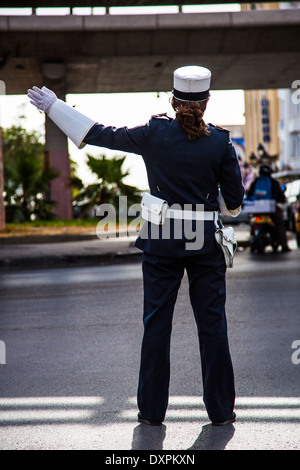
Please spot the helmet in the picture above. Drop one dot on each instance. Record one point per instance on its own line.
(265, 170)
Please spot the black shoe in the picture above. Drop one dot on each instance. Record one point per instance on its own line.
(141, 419)
(227, 421)
(285, 249)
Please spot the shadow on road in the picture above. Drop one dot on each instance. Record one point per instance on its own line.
(147, 437)
(213, 438)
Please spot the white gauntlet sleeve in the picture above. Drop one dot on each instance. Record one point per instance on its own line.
(70, 121)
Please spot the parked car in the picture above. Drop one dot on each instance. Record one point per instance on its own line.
(290, 181)
(292, 193)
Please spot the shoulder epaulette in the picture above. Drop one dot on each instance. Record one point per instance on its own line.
(161, 116)
(220, 128)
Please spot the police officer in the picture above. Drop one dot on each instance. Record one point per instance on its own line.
(187, 162)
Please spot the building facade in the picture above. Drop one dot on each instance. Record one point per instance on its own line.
(289, 129)
(273, 117)
(261, 130)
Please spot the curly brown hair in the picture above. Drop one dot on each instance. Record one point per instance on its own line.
(190, 115)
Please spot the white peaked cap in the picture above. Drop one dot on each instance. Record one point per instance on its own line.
(191, 83)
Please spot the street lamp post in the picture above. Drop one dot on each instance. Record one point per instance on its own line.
(2, 210)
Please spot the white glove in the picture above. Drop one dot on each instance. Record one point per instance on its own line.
(43, 98)
(72, 123)
(223, 207)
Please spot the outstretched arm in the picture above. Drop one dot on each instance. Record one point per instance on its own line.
(83, 130)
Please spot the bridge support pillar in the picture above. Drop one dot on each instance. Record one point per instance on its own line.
(57, 157)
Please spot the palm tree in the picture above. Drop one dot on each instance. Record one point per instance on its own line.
(26, 180)
(109, 184)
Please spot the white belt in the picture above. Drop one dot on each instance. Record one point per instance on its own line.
(156, 210)
(191, 215)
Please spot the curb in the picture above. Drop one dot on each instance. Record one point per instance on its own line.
(73, 260)
(68, 261)
(57, 238)
(40, 239)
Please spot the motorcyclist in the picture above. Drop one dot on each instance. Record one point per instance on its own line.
(256, 191)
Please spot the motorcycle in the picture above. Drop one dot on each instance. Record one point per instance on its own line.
(262, 233)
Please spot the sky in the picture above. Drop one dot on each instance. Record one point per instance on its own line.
(224, 108)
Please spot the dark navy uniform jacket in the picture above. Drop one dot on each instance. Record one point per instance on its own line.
(179, 171)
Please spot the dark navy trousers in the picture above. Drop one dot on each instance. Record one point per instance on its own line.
(162, 279)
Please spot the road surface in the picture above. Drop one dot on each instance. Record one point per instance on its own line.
(72, 342)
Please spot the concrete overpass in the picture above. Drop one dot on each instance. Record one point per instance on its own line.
(109, 53)
(107, 3)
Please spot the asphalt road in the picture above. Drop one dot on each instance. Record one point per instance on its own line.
(73, 337)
